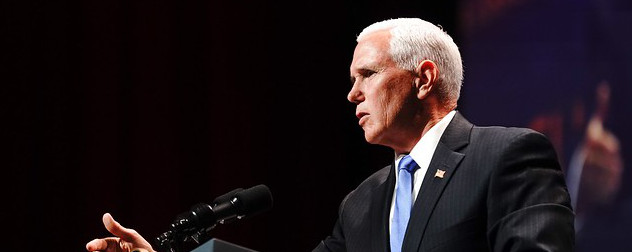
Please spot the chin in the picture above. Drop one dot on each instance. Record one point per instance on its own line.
(369, 140)
(371, 137)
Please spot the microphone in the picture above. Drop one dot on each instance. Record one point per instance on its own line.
(223, 199)
(226, 197)
(234, 205)
(196, 223)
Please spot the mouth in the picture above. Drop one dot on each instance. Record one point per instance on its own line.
(362, 116)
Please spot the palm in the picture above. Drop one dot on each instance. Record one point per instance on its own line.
(115, 244)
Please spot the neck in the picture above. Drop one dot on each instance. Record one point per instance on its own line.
(425, 123)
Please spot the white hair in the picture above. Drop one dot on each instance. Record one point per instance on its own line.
(414, 40)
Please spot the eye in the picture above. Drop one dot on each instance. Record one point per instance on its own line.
(367, 73)
(362, 74)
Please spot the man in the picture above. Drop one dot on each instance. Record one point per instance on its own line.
(460, 187)
(470, 188)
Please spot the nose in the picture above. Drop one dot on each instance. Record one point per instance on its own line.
(355, 95)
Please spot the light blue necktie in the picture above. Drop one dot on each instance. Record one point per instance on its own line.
(403, 202)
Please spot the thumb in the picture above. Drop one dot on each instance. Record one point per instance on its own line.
(116, 229)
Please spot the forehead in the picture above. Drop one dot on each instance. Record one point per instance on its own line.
(372, 51)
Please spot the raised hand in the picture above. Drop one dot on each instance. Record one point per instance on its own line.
(125, 240)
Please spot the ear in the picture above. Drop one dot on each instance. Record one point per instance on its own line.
(426, 73)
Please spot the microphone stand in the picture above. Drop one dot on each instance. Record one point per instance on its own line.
(174, 239)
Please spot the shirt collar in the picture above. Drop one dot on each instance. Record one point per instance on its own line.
(423, 151)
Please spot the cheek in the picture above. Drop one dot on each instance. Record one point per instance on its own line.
(385, 108)
(389, 105)
(387, 98)
(380, 106)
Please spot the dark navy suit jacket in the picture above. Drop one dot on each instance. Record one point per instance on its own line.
(503, 190)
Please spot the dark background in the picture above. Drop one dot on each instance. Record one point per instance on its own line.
(145, 108)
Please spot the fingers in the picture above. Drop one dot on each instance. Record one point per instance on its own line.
(116, 229)
(125, 234)
(96, 244)
(101, 244)
(139, 250)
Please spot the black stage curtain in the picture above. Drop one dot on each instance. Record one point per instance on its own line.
(145, 108)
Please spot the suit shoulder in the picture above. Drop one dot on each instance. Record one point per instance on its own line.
(498, 134)
(496, 142)
(510, 131)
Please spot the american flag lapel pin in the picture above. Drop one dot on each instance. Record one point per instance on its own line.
(439, 173)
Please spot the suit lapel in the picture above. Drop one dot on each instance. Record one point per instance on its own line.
(380, 213)
(446, 158)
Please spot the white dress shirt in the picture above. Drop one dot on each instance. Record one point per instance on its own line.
(422, 153)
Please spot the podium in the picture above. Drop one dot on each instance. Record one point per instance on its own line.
(217, 245)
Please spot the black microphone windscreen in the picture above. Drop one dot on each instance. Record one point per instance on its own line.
(226, 197)
(254, 200)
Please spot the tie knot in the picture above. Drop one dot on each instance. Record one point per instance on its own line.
(408, 164)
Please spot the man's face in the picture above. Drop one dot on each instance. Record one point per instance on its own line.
(383, 92)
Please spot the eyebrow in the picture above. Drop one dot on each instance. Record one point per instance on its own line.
(363, 70)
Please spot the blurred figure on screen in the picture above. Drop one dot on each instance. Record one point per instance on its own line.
(595, 169)
(594, 179)
(594, 174)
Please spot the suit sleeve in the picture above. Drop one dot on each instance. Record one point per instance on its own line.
(336, 241)
(528, 204)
